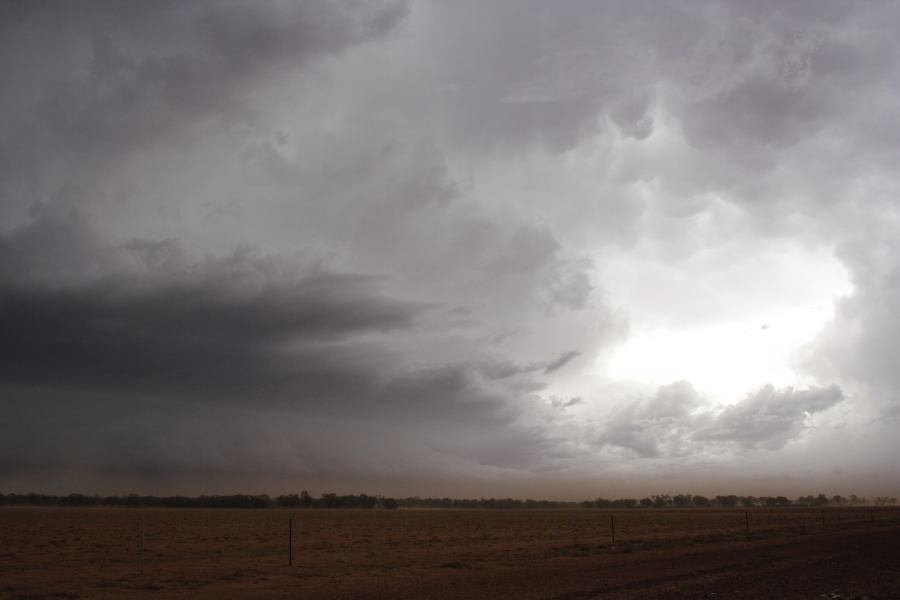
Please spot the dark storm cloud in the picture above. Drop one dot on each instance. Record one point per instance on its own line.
(200, 332)
(149, 319)
(132, 357)
(368, 239)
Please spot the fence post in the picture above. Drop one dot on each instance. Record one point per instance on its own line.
(612, 526)
(290, 542)
(142, 546)
(747, 521)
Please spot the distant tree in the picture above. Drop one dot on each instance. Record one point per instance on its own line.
(662, 500)
(364, 501)
(727, 501)
(625, 503)
(646, 502)
(78, 500)
(288, 500)
(682, 500)
(701, 501)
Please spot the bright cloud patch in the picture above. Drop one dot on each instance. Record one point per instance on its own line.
(724, 360)
(727, 332)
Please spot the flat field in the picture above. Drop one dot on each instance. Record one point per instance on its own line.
(560, 554)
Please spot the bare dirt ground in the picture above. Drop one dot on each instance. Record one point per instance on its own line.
(444, 554)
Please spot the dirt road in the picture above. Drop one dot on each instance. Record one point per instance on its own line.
(861, 563)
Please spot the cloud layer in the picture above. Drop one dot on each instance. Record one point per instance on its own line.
(333, 243)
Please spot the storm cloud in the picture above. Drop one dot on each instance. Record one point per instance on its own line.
(407, 245)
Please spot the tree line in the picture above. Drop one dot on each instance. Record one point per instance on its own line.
(656, 501)
(332, 500)
(301, 500)
(731, 501)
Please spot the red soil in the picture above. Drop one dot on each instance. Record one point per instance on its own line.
(559, 554)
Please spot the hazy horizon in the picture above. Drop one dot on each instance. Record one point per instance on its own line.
(450, 249)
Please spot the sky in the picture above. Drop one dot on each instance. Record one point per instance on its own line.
(510, 248)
